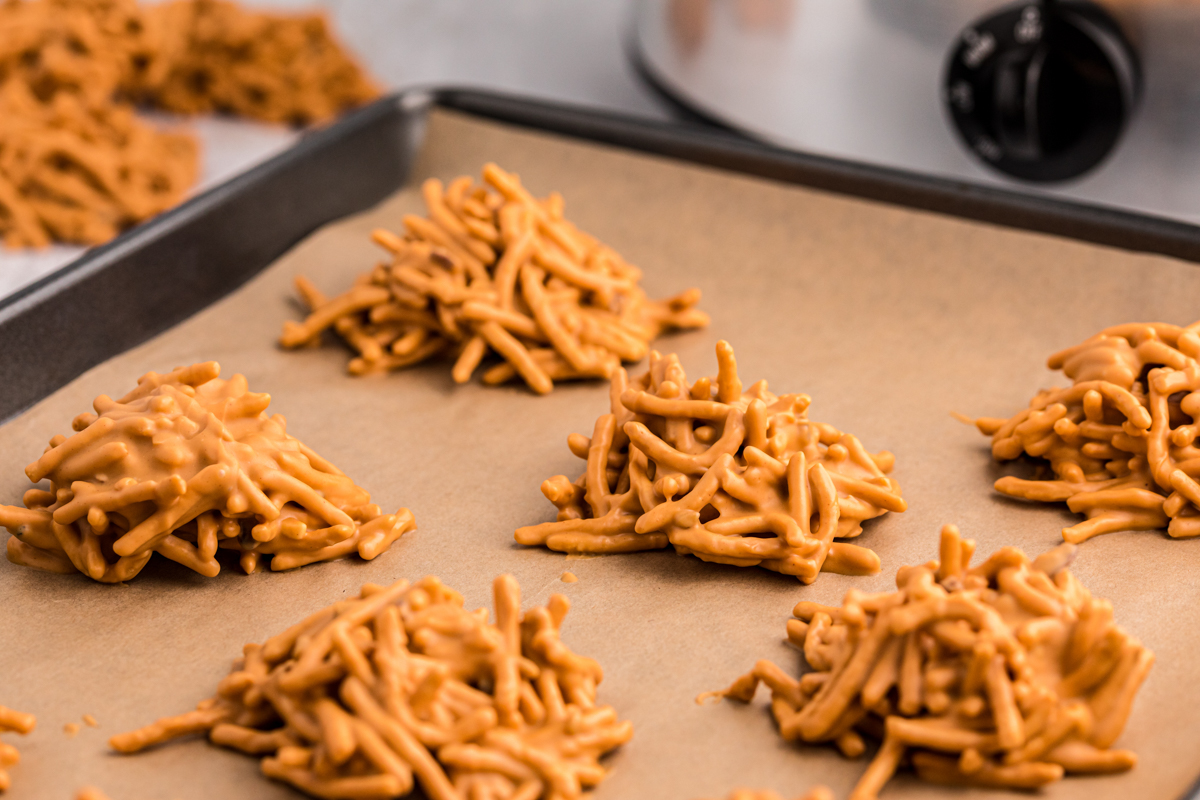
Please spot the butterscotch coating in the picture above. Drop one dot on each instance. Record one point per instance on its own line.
(90, 793)
(815, 793)
(12, 722)
(492, 270)
(184, 465)
(77, 165)
(56, 47)
(730, 476)
(213, 55)
(1122, 441)
(1007, 674)
(72, 172)
(402, 685)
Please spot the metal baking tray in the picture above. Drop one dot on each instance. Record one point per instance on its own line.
(178, 265)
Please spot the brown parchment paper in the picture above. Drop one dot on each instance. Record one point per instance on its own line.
(889, 318)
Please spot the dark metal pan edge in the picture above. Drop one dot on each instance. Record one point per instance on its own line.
(97, 258)
(155, 275)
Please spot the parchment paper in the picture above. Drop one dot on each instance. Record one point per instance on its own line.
(889, 318)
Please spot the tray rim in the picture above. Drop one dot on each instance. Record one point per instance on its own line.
(705, 140)
(101, 256)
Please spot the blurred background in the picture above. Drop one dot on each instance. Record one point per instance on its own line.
(971, 90)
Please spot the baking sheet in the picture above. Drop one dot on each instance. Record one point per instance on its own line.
(889, 318)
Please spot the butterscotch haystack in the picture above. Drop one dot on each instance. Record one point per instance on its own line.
(70, 47)
(183, 465)
(731, 476)
(493, 270)
(403, 682)
(15, 722)
(1007, 674)
(213, 55)
(76, 164)
(1122, 442)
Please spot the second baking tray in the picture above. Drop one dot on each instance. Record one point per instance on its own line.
(890, 314)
